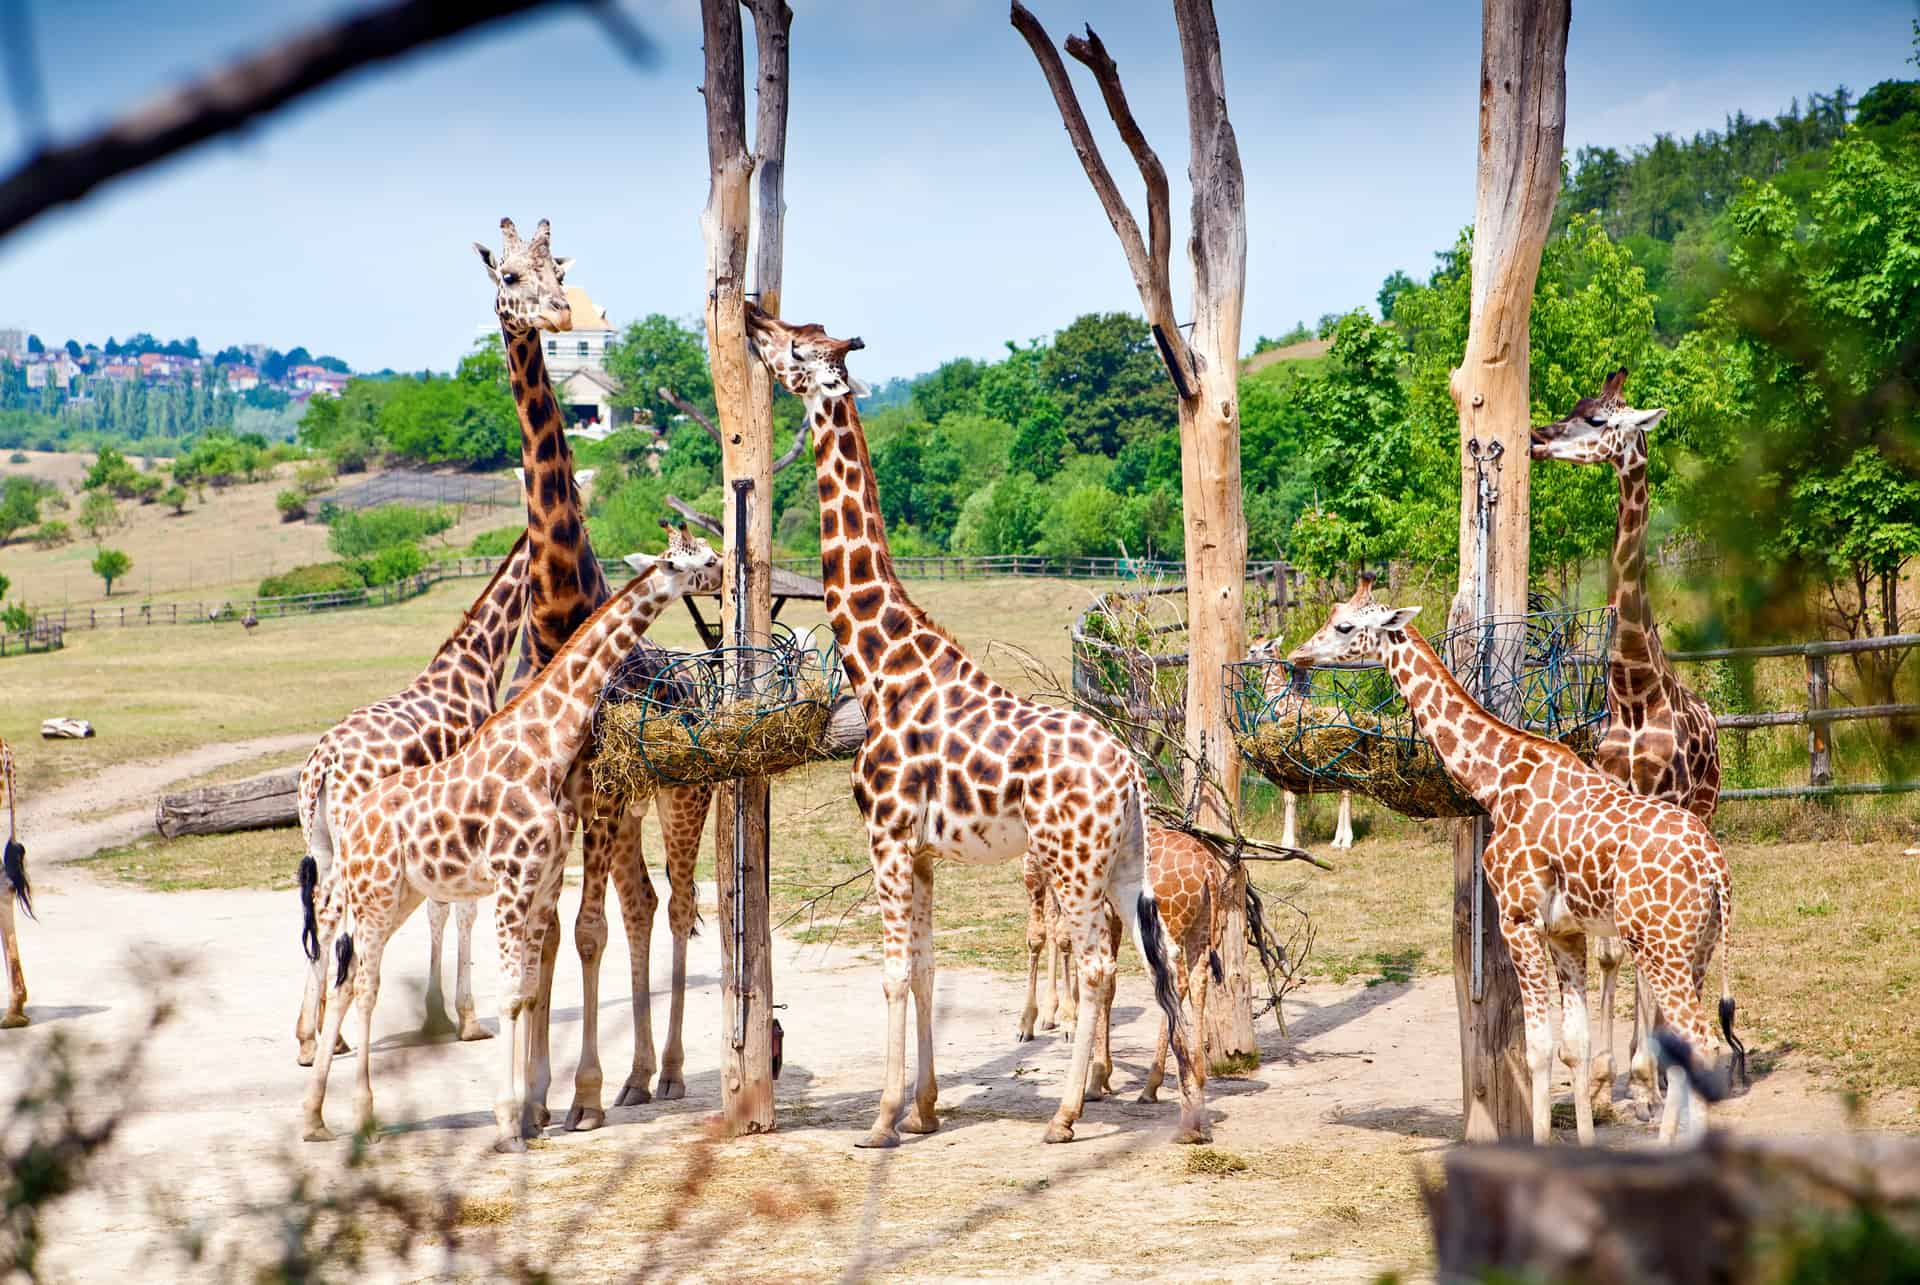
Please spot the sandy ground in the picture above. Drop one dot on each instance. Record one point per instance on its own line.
(1330, 1130)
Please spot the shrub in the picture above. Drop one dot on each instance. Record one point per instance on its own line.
(175, 495)
(358, 534)
(19, 505)
(99, 514)
(18, 457)
(16, 618)
(111, 565)
(395, 562)
(292, 505)
(318, 577)
(314, 476)
(146, 487)
(51, 535)
(497, 543)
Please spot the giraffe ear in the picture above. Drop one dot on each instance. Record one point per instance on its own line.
(486, 257)
(560, 267)
(859, 387)
(1399, 618)
(641, 562)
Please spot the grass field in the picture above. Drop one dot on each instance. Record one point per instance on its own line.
(1827, 939)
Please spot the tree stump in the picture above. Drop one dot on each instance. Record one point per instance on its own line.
(258, 803)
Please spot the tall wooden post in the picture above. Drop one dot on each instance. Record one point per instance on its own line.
(1522, 123)
(743, 398)
(1204, 370)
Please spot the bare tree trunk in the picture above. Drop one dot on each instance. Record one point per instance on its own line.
(742, 397)
(1205, 373)
(1522, 122)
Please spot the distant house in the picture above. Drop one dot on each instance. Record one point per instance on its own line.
(242, 378)
(329, 383)
(120, 370)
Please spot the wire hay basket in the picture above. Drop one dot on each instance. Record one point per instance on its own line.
(680, 718)
(1320, 729)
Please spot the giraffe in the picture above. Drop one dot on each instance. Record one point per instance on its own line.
(422, 723)
(1574, 851)
(1188, 878)
(957, 766)
(13, 870)
(1287, 698)
(488, 818)
(566, 585)
(1661, 739)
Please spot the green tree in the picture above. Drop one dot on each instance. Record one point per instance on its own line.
(657, 352)
(111, 565)
(19, 506)
(1006, 517)
(1390, 290)
(1104, 373)
(99, 514)
(952, 389)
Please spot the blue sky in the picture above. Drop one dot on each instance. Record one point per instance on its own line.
(935, 206)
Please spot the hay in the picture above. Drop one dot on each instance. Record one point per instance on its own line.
(641, 747)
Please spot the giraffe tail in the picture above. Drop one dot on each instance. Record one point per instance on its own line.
(1737, 1070)
(310, 925)
(1152, 932)
(14, 864)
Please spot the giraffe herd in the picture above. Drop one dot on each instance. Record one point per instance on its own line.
(450, 791)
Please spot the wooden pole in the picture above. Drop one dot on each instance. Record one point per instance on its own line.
(1819, 732)
(742, 398)
(1204, 371)
(1522, 123)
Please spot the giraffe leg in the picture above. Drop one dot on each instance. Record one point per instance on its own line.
(1289, 828)
(16, 1014)
(1643, 1071)
(520, 942)
(470, 1026)
(1609, 952)
(1036, 946)
(1066, 1013)
(1197, 976)
(638, 905)
(926, 1088)
(437, 1023)
(1100, 1071)
(1086, 921)
(335, 1013)
(590, 940)
(534, 1042)
(1669, 972)
(893, 889)
(683, 822)
(1570, 961)
(1343, 829)
(1528, 948)
(313, 1003)
(1056, 979)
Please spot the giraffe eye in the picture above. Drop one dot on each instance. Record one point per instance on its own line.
(1343, 629)
(509, 278)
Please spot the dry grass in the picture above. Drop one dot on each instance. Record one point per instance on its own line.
(252, 859)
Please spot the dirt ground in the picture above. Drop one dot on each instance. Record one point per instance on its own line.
(1313, 1175)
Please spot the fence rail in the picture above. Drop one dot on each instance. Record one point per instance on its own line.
(51, 638)
(1818, 716)
(1012, 564)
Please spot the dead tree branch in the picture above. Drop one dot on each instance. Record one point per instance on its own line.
(229, 97)
(711, 525)
(691, 411)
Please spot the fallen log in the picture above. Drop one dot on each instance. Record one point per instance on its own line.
(258, 803)
(1711, 1213)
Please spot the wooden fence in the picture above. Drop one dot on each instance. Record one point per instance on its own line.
(1818, 717)
(39, 638)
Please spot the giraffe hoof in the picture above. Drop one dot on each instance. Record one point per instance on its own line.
(1048, 1024)
(471, 1028)
(878, 1139)
(585, 1119)
(670, 1089)
(1057, 1132)
(1148, 1097)
(307, 1053)
(633, 1094)
(1193, 1134)
(510, 1146)
(918, 1121)
(317, 1132)
(1022, 1035)
(437, 1026)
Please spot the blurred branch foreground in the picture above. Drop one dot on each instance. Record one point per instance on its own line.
(229, 97)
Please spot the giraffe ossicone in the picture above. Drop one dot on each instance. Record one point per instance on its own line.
(956, 766)
(1574, 851)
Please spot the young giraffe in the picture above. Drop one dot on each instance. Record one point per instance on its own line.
(422, 723)
(1574, 851)
(1288, 699)
(1189, 880)
(566, 585)
(1662, 740)
(957, 766)
(489, 818)
(13, 870)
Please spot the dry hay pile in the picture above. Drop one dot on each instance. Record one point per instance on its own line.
(642, 747)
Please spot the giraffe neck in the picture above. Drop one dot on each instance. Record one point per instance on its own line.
(1469, 741)
(546, 725)
(479, 648)
(1638, 665)
(867, 606)
(564, 579)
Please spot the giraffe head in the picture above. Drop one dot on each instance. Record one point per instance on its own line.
(1355, 632)
(1268, 650)
(687, 557)
(805, 359)
(1601, 430)
(528, 281)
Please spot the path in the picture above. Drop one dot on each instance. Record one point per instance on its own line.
(1330, 1129)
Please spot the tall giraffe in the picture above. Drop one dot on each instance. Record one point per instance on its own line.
(422, 723)
(1574, 851)
(13, 870)
(1662, 740)
(957, 766)
(566, 585)
(1286, 694)
(488, 818)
